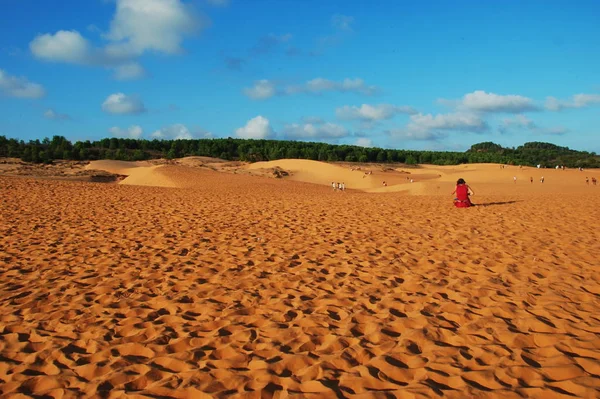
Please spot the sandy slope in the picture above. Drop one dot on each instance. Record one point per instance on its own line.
(431, 179)
(138, 173)
(253, 287)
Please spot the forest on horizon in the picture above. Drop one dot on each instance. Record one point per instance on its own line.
(249, 150)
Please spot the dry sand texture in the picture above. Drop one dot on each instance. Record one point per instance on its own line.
(241, 286)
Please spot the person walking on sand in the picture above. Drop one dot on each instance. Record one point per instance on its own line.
(515, 179)
(542, 180)
(333, 185)
(531, 179)
(343, 186)
(587, 181)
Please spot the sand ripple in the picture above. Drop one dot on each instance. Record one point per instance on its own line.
(264, 288)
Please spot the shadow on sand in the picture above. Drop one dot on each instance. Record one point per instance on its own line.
(497, 203)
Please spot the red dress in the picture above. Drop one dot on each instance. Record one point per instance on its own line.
(462, 196)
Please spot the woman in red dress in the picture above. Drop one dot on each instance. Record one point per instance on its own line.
(462, 191)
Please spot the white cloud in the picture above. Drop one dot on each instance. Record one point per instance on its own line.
(342, 22)
(364, 142)
(256, 128)
(453, 121)
(368, 112)
(261, 90)
(314, 131)
(63, 46)
(137, 26)
(120, 103)
(177, 131)
(51, 114)
(14, 86)
(156, 25)
(577, 101)
(519, 121)
(430, 127)
(129, 71)
(481, 101)
(133, 132)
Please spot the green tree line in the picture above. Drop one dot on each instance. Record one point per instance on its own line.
(59, 148)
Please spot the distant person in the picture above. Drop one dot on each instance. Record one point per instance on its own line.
(462, 192)
(333, 185)
(515, 179)
(343, 186)
(339, 186)
(531, 179)
(542, 180)
(594, 181)
(587, 181)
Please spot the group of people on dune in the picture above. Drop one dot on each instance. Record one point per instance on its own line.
(338, 186)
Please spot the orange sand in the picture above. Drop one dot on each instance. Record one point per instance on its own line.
(246, 286)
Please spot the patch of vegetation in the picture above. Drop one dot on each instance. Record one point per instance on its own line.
(48, 150)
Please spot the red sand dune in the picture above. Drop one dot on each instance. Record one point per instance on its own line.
(230, 285)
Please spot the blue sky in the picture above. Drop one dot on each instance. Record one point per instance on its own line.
(438, 75)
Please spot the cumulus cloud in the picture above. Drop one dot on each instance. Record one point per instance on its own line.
(372, 113)
(19, 86)
(138, 26)
(53, 115)
(120, 103)
(133, 132)
(261, 90)
(434, 127)
(480, 101)
(452, 121)
(577, 101)
(177, 131)
(314, 131)
(256, 128)
(265, 88)
(364, 142)
(156, 25)
(129, 71)
(63, 46)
